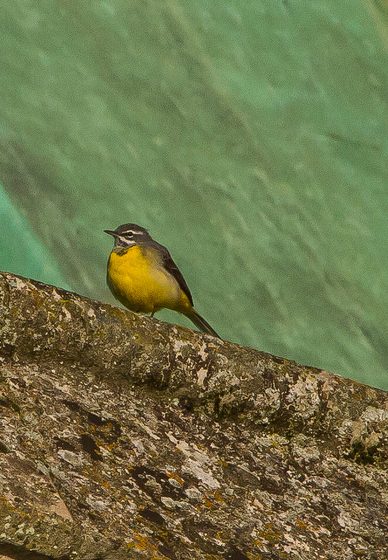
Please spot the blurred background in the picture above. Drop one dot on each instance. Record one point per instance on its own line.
(250, 138)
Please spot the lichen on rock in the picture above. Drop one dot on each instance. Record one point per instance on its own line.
(124, 437)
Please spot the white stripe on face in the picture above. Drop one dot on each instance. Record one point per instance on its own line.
(134, 232)
(124, 241)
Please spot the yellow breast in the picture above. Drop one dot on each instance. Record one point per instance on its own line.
(138, 280)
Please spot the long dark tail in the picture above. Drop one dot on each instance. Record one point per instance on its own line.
(200, 322)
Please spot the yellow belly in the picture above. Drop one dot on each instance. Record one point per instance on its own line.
(137, 279)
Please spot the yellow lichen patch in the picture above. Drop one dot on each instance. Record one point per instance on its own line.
(5, 504)
(142, 543)
(259, 542)
(270, 534)
(218, 497)
(105, 484)
(207, 503)
(212, 500)
(176, 477)
(301, 524)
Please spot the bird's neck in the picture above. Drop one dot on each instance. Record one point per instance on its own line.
(122, 250)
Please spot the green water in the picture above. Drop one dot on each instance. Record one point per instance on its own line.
(250, 137)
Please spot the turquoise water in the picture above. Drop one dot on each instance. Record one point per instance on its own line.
(250, 138)
(21, 251)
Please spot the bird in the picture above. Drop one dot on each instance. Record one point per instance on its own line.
(142, 275)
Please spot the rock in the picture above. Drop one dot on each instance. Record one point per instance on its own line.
(124, 437)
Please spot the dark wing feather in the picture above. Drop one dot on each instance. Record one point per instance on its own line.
(172, 268)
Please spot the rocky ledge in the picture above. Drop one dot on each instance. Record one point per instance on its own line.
(124, 437)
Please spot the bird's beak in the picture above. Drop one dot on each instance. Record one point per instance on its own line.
(110, 232)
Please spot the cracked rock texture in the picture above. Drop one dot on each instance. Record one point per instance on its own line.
(123, 437)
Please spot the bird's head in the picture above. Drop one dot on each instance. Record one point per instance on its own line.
(128, 235)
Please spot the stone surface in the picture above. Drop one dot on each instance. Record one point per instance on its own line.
(124, 437)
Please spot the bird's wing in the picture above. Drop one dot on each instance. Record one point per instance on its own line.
(172, 268)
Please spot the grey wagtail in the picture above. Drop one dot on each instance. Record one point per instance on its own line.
(143, 277)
